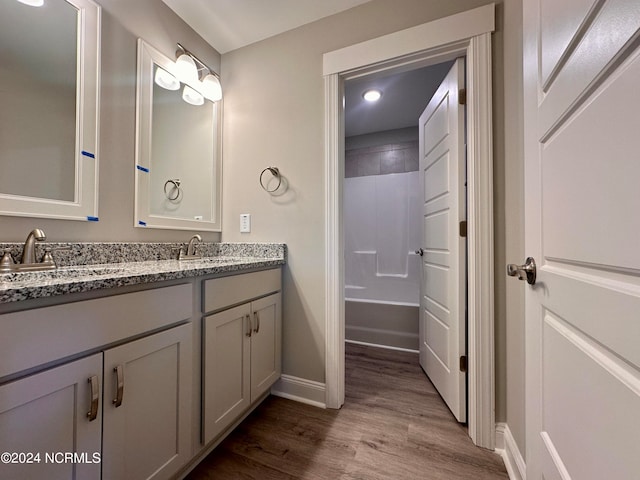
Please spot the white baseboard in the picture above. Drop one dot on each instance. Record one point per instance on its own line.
(506, 446)
(300, 390)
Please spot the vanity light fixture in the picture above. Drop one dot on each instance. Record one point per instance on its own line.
(186, 68)
(191, 96)
(33, 3)
(211, 88)
(165, 80)
(372, 95)
(199, 75)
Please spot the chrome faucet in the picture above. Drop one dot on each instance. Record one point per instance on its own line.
(28, 263)
(192, 247)
(29, 250)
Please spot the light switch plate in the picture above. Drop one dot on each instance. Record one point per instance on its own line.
(245, 222)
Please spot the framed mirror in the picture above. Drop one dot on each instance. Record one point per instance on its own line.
(178, 162)
(49, 75)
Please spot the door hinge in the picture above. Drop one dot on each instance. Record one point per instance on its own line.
(463, 228)
(462, 96)
(463, 363)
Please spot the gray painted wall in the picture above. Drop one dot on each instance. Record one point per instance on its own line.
(123, 21)
(274, 114)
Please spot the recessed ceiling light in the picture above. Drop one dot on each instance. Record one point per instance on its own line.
(372, 95)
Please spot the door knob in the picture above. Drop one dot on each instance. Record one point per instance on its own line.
(523, 272)
(420, 252)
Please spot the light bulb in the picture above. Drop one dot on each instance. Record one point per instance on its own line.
(372, 95)
(191, 96)
(186, 68)
(211, 88)
(166, 80)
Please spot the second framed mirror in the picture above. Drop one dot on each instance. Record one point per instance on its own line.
(178, 134)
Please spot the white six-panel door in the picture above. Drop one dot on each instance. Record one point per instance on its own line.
(443, 286)
(582, 213)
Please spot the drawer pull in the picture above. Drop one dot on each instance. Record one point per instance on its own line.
(119, 385)
(248, 330)
(256, 315)
(95, 398)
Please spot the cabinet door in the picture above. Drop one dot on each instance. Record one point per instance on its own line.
(147, 421)
(226, 368)
(266, 357)
(46, 414)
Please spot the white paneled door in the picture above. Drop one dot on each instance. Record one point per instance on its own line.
(582, 214)
(443, 285)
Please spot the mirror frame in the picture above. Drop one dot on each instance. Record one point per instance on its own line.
(143, 218)
(85, 204)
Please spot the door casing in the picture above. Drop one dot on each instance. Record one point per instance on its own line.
(466, 34)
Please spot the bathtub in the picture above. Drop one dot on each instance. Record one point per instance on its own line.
(382, 324)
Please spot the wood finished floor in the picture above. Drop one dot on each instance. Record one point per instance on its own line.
(394, 425)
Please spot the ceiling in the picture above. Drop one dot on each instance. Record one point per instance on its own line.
(404, 96)
(230, 24)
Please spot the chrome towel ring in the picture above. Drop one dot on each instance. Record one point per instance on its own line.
(276, 173)
(175, 188)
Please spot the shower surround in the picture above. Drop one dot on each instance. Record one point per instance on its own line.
(382, 231)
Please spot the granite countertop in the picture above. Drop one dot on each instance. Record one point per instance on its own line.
(15, 287)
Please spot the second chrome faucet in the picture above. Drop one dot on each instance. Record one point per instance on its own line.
(192, 249)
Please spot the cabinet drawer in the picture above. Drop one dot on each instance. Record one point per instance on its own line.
(227, 291)
(37, 337)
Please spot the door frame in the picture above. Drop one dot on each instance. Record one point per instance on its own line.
(465, 34)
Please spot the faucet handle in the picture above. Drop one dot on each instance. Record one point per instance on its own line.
(6, 262)
(177, 250)
(48, 254)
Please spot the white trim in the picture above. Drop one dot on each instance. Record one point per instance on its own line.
(300, 390)
(507, 448)
(480, 262)
(458, 36)
(143, 216)
(84, 206)
(430, 35)
(334, 280)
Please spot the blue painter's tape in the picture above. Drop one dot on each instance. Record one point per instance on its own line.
(140, 222)
(92, 219)
(88, 154)
(144, 169)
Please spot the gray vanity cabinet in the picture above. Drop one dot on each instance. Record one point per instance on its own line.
(128, 384)
(147, 406)
(45, 416)
(121, 411)
(145, 429)
(266, 350)
(242, 348)
(226, 369)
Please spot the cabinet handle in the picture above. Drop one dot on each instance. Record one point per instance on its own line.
(120, 385)
(248, 330)
(256, 315)
(95, 398)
